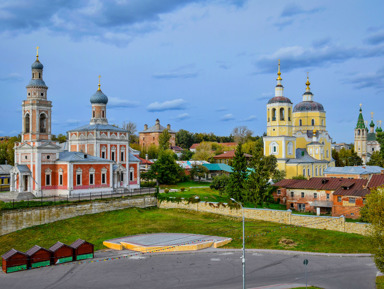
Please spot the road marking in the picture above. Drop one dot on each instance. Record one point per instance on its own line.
(257, 254)
(227, 253)
(215, 259)
(138, 257)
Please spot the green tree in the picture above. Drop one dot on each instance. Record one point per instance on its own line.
(349, 158)
(198, 171)
(237, 178)
(242, 134)
(60, 138)
(203, 152)
(164, 138)
(299, 177)
(373, 212)
(184, 139)
(376, 159)
(219, 183)
(186, 155)
(166, 170)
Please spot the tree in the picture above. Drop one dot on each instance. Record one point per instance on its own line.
(237, 178)
(336, 157)
(219, 183)
(349, 158)
(299, 177)
(199, 171)
(166, 170)
(376, 159)
(254, 146)
(184, 139)
(241, 134)
(164, 138)
(60, 138)
(203, 152)
(373, 212)
(132, 129)
(186, 155)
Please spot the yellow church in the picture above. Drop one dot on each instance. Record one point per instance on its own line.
(297, 137)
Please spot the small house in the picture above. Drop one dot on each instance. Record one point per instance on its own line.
(39, 257)
(61, 253)
(14, 261)
(82, 250)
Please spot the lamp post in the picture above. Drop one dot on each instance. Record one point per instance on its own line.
(243, 257)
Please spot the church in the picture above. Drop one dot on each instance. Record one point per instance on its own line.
(365, 141)
(297, 135)
(95, 162)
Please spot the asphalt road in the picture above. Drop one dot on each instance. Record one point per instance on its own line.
(204, 269)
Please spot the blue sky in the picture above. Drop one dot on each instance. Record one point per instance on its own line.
(202, 65)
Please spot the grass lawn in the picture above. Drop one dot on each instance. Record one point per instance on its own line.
(186, 185)
(380, 282)
(103, 226)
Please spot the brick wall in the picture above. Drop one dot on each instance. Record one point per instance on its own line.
(278, 216)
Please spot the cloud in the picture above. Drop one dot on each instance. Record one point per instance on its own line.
(250, 118)
(367, 80)
(183, 116)
(321, 42)
(176, 104)
(110, 21)
(292, 10)
(293, 57)
(114, 102)
(227, 117)
(11, 77)
(185, 71)
(375, 38)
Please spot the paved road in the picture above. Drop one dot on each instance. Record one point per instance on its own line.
(205, 269)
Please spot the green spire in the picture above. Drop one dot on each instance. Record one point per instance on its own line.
(360, 120)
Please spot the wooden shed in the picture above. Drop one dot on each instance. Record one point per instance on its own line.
(14, 261)
(61, 253)
(39, 257)
(82, 250)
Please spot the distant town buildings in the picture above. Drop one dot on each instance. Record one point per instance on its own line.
(356, 172)
(297, 136)
(150, 135)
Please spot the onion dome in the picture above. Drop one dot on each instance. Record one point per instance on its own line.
(372, 124)
(279, 98)
(37, 64)
(99, 96)
(379, 129)
(36, 83)
(308, 104)
(360, 120)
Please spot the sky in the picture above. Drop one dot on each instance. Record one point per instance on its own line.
(199, 65)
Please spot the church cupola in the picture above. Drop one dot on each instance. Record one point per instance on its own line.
(36, 87)
(99, 106)
(372, 124)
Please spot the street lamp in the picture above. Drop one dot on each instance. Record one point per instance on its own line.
(243, 257)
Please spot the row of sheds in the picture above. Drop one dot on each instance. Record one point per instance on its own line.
(37, 256)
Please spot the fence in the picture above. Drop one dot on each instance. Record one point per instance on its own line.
(53, 201)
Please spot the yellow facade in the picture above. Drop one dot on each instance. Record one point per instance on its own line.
(297, 137)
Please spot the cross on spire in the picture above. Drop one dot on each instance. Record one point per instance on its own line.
(99, 83)
(37, 53)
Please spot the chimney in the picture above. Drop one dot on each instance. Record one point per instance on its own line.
(145, 127)
(157, 124)
(168, 127)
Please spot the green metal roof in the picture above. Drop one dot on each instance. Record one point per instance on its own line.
(372, 124)
(360, 121)
(371, 136)
(218, 167)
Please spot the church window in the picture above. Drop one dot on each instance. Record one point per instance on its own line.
(327, 153)
(104, 176)
(281, 113)
(316, 172)
(47, 179)
(289, 114)
(268, 115)
(313, 122)
(121, 156)
(273, 114)
(273, 148)
(93, 113)
(300, 122)
(43, 123)
(42, 94)
(358, 132)
(29, 93)
(320, 171)
(309, 173)
(60, 179)
(27, 123)
(103, 155)
(131, 174)
(39, 75)
(322, 122)
(304, 172)
(102, 113)
(373, 149)
(290, 148)
(79, 175)
(48, 157)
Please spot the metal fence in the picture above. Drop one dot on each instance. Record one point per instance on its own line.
(84, 197)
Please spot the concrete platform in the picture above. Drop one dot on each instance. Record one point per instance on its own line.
(166, 242)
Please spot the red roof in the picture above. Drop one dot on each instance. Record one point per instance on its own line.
(227, 144)
(322, 183)
(376, 181)
(354, 191)
(229, 155)
(144, 161)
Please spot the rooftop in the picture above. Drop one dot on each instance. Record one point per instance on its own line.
(99, 127)
(356, 170)
(230, 155)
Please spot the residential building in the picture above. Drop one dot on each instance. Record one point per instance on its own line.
(297, 136)
(227, 157)
(339, 146)
(5, 175)
(150, 135)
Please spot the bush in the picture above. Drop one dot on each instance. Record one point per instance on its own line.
(182, 189)
(148, 184)
(2, 205)
(166, 191)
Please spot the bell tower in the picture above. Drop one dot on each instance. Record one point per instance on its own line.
(36, 108)
(361, 132)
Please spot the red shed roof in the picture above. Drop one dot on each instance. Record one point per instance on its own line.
(356, 191)
(229, 155)
(57, 246)
(34, 250)
(144, 161)
(78, 243)
(376, 181)
(323, 183)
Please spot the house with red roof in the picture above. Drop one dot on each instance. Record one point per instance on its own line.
(227, 157)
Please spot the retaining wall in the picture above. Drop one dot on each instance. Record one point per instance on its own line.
(15, 220)
(278, 216)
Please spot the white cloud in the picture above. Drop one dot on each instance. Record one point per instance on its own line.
(183, 116)
(176, 104)
(115, 102)
(227, 117)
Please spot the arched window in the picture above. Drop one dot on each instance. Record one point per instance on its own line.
(93, 113)
(273, 114)
(358, 132)
(289, 114)
(39, 75)
(268, 116)
(313, 122)
(131, 174)
(300, 122)
(274, 148)
(290, 148)
(43, 123)
(281, 113)
(322, 122)
(102, 113)
(27, 123)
